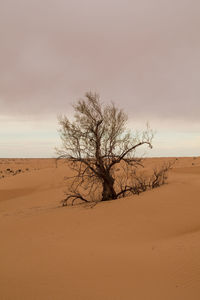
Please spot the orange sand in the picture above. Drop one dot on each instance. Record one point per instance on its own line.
(141, 247)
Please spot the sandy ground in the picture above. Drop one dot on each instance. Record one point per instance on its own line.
(141, 247)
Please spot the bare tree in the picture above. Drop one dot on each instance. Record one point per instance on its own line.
(100, 150)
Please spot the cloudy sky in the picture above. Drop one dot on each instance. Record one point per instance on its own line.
(142, 54)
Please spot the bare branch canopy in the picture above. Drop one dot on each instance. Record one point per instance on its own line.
(95, 143)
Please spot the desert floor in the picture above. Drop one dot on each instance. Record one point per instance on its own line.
(139, 247)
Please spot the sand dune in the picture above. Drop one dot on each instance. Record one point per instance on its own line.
(141, 247)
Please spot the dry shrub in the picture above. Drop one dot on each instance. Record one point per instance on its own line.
(138, 182)
(130, 181)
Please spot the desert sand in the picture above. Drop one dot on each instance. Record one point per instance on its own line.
(139, 247)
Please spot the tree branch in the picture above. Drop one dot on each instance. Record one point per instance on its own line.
(126, 152)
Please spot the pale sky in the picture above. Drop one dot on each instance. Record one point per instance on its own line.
(142, 54)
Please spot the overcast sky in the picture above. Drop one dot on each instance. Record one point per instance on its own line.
(142, 54)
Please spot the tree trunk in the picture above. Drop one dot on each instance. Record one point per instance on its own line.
(108, 192)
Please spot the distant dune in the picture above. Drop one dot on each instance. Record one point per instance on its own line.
(136, 248)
